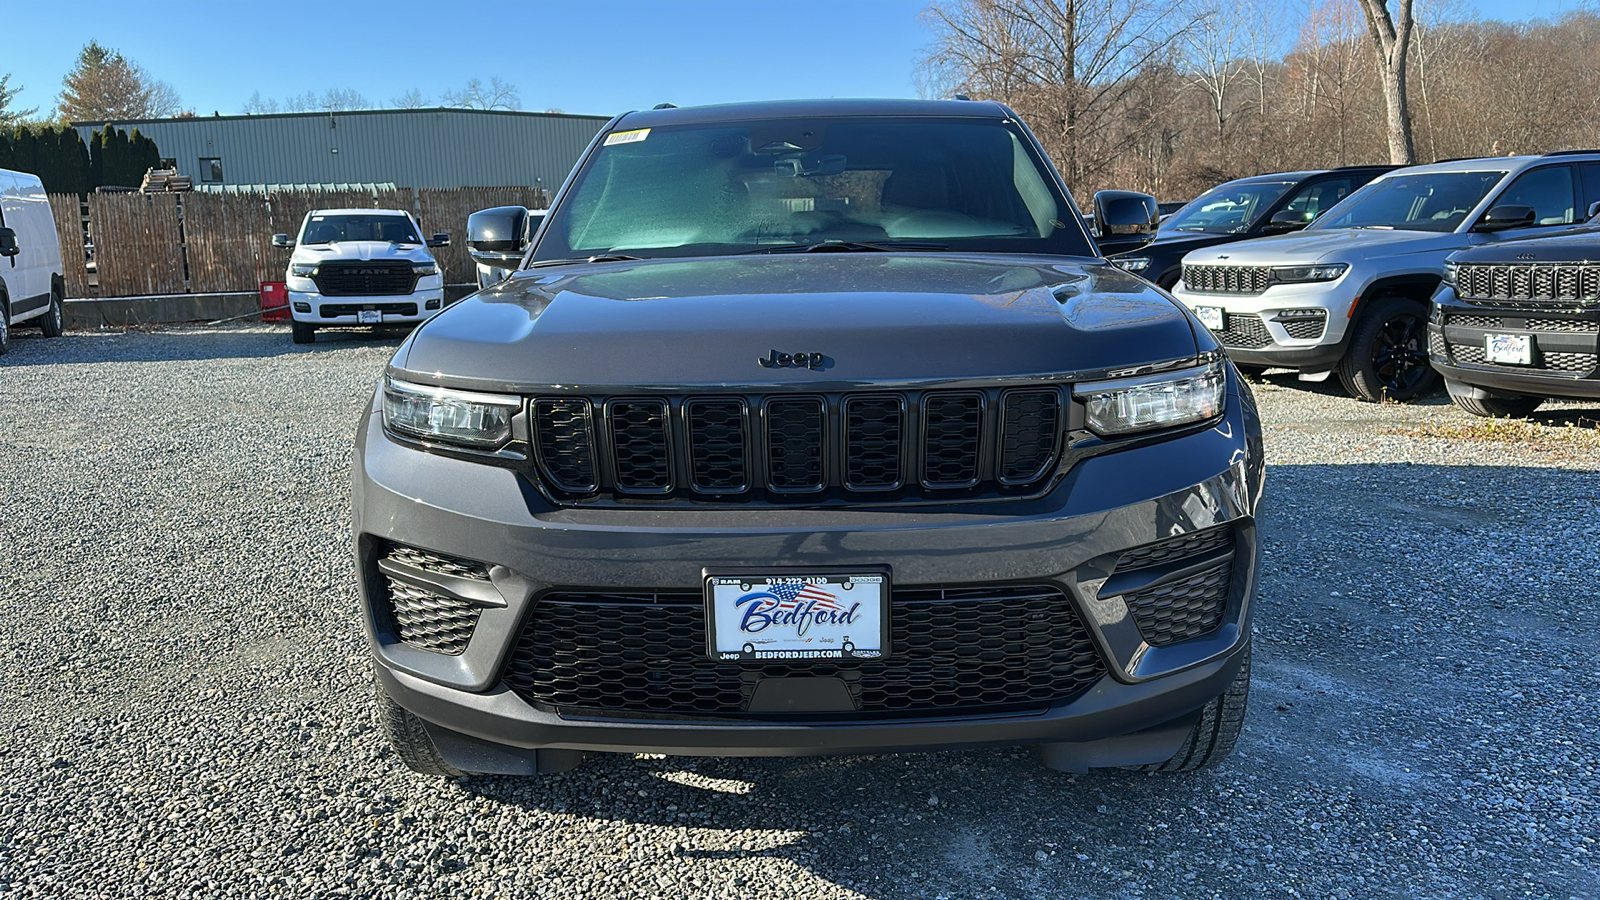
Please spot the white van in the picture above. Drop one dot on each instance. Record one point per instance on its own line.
(31, 286)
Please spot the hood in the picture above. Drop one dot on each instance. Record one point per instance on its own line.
(1346, 245)
(875, 318)
(1578, 245)
(363, 251)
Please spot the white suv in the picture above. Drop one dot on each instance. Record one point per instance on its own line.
(1350, 292)
(360, 267)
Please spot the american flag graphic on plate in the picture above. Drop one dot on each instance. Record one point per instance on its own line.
(797, 617)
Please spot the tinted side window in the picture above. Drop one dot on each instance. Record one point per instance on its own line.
(1316, 198)
(1548, 190)
(1591, 184)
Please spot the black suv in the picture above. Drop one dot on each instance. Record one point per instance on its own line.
(1239, 210)
(1517, 322)
(809, 427)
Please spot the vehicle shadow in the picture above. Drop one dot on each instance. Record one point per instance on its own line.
(196, 342)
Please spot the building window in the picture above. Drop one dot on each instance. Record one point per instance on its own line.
(211, 170)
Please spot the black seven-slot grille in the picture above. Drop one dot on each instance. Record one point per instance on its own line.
(1533, 285)
(734, 449)
(1227, 279)
(953, 651)
(365, 278)
(1188, 604)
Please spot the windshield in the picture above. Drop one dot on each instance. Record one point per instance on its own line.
(1227, 209)
(846, 183)
(350, 227)
(1433, 201)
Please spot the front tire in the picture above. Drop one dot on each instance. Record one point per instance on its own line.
(302, 332)
(1213, 737)
(410, 739)
(5, 326)
(53, 322)
(1388, 354)
(1498, 407)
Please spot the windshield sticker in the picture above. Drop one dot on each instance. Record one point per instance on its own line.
(627, 137)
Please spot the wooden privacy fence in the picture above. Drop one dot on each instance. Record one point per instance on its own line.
(196, 243)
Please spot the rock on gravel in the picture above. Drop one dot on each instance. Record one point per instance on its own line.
(185, 707)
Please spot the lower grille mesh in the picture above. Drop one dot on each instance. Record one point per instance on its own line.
(1180, 610)
(429, 620)
(1245, 331)
(953, 651)
(1548, 361)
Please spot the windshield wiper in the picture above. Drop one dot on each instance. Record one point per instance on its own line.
(850, 247)
(597, 258)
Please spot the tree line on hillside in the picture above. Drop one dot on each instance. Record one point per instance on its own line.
(66, 165)
(1173, 98)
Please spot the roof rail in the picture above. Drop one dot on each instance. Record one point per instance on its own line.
(1365, 166)
(1462, 159)
(665, 106)
(1571, 152)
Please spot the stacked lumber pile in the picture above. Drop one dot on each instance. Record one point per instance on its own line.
(159, 180)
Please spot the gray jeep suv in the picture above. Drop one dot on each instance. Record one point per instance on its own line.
(812, 427)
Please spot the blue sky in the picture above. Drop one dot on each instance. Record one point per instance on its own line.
(597, 57)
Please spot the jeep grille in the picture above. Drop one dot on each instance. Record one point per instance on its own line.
(1529, 285)
(1227, 279)
(798, 448)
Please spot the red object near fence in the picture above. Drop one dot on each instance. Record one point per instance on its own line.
(274, 301)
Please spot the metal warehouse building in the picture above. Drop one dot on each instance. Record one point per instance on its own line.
(414, 148)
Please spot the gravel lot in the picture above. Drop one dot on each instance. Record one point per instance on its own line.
(185, 707)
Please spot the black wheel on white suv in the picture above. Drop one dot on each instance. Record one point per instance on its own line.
(1497, 407)
(1387, 358)
(53, 322)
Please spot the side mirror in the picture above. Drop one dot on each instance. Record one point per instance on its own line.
(1501, 218)
(1124, 213)
(497, 235)
(1594, 210)
(1284, 221)
(282, 242)
(441, 239)
(8, 242)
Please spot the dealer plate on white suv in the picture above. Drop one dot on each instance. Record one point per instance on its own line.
(1210, 317)
(797, 616)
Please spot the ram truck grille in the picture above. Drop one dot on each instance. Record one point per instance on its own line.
(365, 279)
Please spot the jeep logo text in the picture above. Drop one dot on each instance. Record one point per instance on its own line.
(776, 360)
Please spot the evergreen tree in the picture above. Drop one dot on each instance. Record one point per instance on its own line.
(97, 158)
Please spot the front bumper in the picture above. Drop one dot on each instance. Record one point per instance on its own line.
(1070, 538)
(1565, 346)
(1258, 332)
(316, 309)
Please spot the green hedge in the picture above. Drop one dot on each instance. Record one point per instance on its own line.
(66, 166)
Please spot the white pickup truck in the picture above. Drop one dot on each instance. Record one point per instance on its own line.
(360, 267)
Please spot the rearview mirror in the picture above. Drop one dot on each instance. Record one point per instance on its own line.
(1501, 218)
(497, 235)
(1284, 221)
(1123, 213)
(442, 239)
(282, 242)
(8, 242)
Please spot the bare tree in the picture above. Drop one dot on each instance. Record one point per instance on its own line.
(1391, 41)
(497, 94)
(8, 116)
(1067, 66)
(331, 100)
(259, 105)
(1211, 49)
(412, 99)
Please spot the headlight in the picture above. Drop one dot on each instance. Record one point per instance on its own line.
(427, 268)
(481, 421)
(1450, 274)
(302, 270)
(1309, 273)
(1153, 401)
(1132, 263)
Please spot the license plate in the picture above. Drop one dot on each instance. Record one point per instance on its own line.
(797, 616)
(369, 316)
(1209, 316)
(1514, 349)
